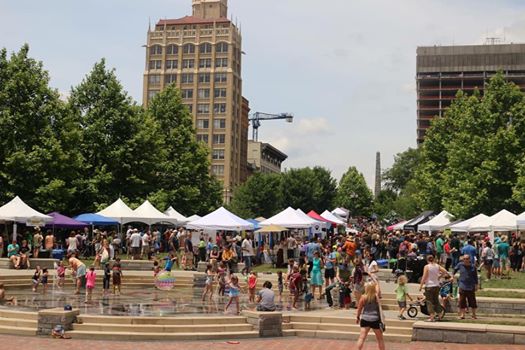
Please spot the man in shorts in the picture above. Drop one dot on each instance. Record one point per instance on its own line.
(78, 270)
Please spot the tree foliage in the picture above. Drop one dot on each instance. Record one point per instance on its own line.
(354, 194)
(402, 171)
(83, 154)
(472, 159)
(260, 195)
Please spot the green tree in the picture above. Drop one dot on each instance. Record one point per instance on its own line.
(260, 195)
(38, 157)
(354, 194)
(402, 171)
(118, 141)
(308, 189)
(183, 178)
(471, 159)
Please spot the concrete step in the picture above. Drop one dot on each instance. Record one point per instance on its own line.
(389, 337)
(18, 322)
(350, 327)
(134, 336)
(13, 314)
(205, 328)
(341, 320)
(23, 331)
(165, 321)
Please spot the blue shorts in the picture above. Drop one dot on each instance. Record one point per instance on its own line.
(81, 271)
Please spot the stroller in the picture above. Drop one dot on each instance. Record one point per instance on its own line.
(422, 305)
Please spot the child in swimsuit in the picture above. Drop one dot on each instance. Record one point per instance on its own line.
(36, 278)
(43, 280)
(117, 276)
(221, 273)
(209, 282)
(235, 291)
(61, 274)
(106, 279)
(91, 276)
(252, 284)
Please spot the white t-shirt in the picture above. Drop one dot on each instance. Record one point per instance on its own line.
(145, 239)
(371, 268)
(291, 242)
(247, 248)
(72, 243)
(135, 239)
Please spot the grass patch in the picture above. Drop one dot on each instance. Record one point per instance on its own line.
(516, 281)
(500, 294)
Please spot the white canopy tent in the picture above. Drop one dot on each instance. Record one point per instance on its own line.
(150, 215)
(119, 211)
(172, 213)
(220, 219)
(317, 226)
(288, 218)
(435, 224)
(503, 220)
(331, 217)
(341, 212)
(19, 212)
(520, 221)
(464, 226)
(194, 217)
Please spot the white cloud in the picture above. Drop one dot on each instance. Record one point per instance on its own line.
(313, 125)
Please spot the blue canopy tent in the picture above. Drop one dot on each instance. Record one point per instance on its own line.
(256, 226)
(95, 219)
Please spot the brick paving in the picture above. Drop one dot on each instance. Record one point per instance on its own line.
(17, 342)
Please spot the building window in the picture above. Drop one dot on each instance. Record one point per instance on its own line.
(188, 63)
(219, 139)
(155, 50)
(219, 123)
(217, 170)
(217, 154)
(155, 64)
(203, 108)
(222, 47)
(172, 49)
(219, 92)
(170, 78)
(186, 78)
(204, 77)
(205, 48)
(221, 77)
(219, 108)
(205, 63)
(188, 48)
(203, 123)
(154, 79)
(172, 64)
(187, 93)
(202, 138)
(152, 94)
(221, 62)
(204, 93)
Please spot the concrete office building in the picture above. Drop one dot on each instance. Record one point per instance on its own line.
(265, 158)
(201, 54)
(443, 70)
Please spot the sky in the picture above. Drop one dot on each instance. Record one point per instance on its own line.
(344, 68)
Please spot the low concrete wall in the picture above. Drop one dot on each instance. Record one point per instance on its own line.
(269, 324)
(5, 263)
(464, 333)
(48, 319)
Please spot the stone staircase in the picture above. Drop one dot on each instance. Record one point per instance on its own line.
(18, 322)
(343, 328)
(162, 328)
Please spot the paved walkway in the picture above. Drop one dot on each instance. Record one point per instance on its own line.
(16, 342)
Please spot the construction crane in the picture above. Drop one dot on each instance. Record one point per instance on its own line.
(257, 117)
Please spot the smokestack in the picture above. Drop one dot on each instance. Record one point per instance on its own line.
(377, 187)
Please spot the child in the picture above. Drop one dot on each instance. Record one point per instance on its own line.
(170, 261)
(107, 278)
(61, 274)
(117, 276)
(221, 274)
(294, 284)
(445, 292)
(401, 295)
(43, 280)
(308, 295)
(209, 282)
(36, 278)
(234, 293)
(91, 277)
(280, 284)
(156, 268)
(3, 299)
(252, 284)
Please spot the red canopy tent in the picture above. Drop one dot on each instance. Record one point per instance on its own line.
(318, 217)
